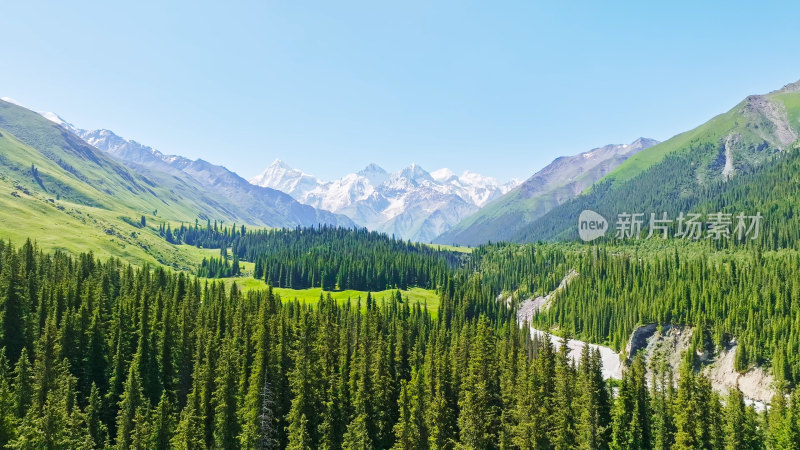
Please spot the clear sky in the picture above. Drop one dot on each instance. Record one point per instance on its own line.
(500, 88)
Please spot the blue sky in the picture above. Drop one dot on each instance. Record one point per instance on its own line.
(500, 88)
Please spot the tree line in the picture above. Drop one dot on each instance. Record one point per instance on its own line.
(326, 257)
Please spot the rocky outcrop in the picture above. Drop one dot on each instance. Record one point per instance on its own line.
(773, 117)
(756, 384)
(665, 346)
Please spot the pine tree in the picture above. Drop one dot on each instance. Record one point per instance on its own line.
(164, 423)
(594, 412)
(360, 432)
(686, 410)
(331, 428)
(735, 419)
(47, 368)
(7, 419)
(96, 429)
(147, 360)
(226, 425)
(132, 401)
(142, 433)
(662, 399)
(303, 413)
(266, 419)
(565, 434)
(299, 436)
(479, 418)
(23, 385)
(59, 422)
(404, 432)
(189, 434)
(258, 407)
(631, 416)
(12, 320)
(96, 364)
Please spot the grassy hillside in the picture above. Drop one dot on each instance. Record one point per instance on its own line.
(66, 195)
(757, 120)
(691, 169)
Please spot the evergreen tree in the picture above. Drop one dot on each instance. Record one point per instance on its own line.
(226, 425)
(299, 436)
(23, 385)
(12, 320)
(735, 420)
(479, 418)
(593, 398)
(8, 421)
(631, 417)
(96, 429)
(130, 405)
(164, 423)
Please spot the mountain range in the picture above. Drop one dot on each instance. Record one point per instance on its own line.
(411, 203)
(255, 205)
(50, 160)
(563, 179)
(70, 195)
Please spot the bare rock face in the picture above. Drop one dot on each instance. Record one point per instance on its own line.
(772, 115)
(756, 384)
(663, 347)
(791, 87)
(639, 339)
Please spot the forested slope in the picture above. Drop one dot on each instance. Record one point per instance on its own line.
(693, 169)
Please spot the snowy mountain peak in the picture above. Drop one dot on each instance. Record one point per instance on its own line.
(415, 173)
(11, 100)
(410, 203)
(375, 174)
(283, 177)
(53, 117)
(443, 175)
(279, 163)
(371, 168)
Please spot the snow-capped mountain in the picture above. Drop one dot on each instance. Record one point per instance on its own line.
(411, 203)
(286, 179)
(256, 204)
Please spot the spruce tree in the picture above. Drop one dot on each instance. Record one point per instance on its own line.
(226, 424)
(23, 385)
(8, 421)
(593, 399)
(735, 419)
(96, 429)
(12, 310)
(479, 419)
(131, 404)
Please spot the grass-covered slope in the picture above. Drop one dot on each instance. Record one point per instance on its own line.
(691, 169)
(65, 194)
